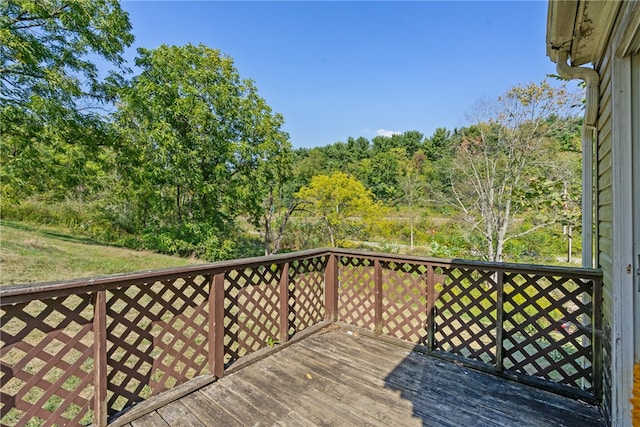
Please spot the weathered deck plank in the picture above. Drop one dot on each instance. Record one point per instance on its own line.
(208, 411)
(176, 413)
(324, 399)
(260, 398)
(152, 419)
(341, 378)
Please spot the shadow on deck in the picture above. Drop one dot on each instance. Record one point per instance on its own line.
(339, 377)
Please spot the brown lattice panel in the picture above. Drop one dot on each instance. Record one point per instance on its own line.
(404, 301)
(156, 338)
(465, 320)
(251, 310)
(547, 328)
(46, 362)
(356, 292)
(306, 290)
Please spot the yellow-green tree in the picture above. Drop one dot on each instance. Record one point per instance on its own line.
(342, 203)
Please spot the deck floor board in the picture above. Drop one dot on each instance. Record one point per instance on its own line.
(341, 378)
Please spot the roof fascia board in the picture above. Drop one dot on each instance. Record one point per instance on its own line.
(581, 28)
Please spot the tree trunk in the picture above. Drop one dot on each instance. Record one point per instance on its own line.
(178, 212)
(411, 226)
(267, 224)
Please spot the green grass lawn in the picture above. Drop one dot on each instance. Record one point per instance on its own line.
(40, 254)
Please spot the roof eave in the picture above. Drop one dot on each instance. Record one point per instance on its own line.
(580, 27)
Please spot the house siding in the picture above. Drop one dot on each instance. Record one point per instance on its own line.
(604, 215)
(614, 220)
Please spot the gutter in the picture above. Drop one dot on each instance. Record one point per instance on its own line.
(592, 80)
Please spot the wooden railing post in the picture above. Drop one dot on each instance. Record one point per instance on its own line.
(331, 289)
(499, 320)
(100, 359)
(216, 325)
(284, 303)
(377, 278)
(431, 308)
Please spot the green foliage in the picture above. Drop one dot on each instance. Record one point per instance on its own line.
(567, 133)
(449, 239)
(379, 164)
(44, 50)
(271, 341)
(199, 147)
(304, 232)
(381, 173)
(188, 240)
(69, 214)
(410, 142)
(439, 146)
(51, 94)
(389, 247)
(88, 219)
(274, 180)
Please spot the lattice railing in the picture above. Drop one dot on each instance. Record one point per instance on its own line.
(548, 328)
(78, 352)
(535, 323)
(251, 310)
(356, 292)
(404, 301)
(156, 338)
(47, 361)
(306, 293)
(466, 315)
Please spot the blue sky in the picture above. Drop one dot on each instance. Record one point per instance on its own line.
(337, 69)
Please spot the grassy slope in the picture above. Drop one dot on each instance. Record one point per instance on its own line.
(30, 254)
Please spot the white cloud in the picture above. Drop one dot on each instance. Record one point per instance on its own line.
(385, 132)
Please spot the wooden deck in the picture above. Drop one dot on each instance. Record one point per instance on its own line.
(341, 378)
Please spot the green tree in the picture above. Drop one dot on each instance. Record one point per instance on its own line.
(358, 148)
(438, 146)
(410, 142)
(503, 163)
(381, 173)
(307, 163)
(343, 205)
(51, 93)
(198, 145)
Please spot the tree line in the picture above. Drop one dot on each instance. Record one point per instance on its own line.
(185, 157)
(520, 163)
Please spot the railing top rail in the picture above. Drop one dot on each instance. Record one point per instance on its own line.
(14, 293)
(587, 273)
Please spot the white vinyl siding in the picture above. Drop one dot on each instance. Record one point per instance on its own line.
(604, 217)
